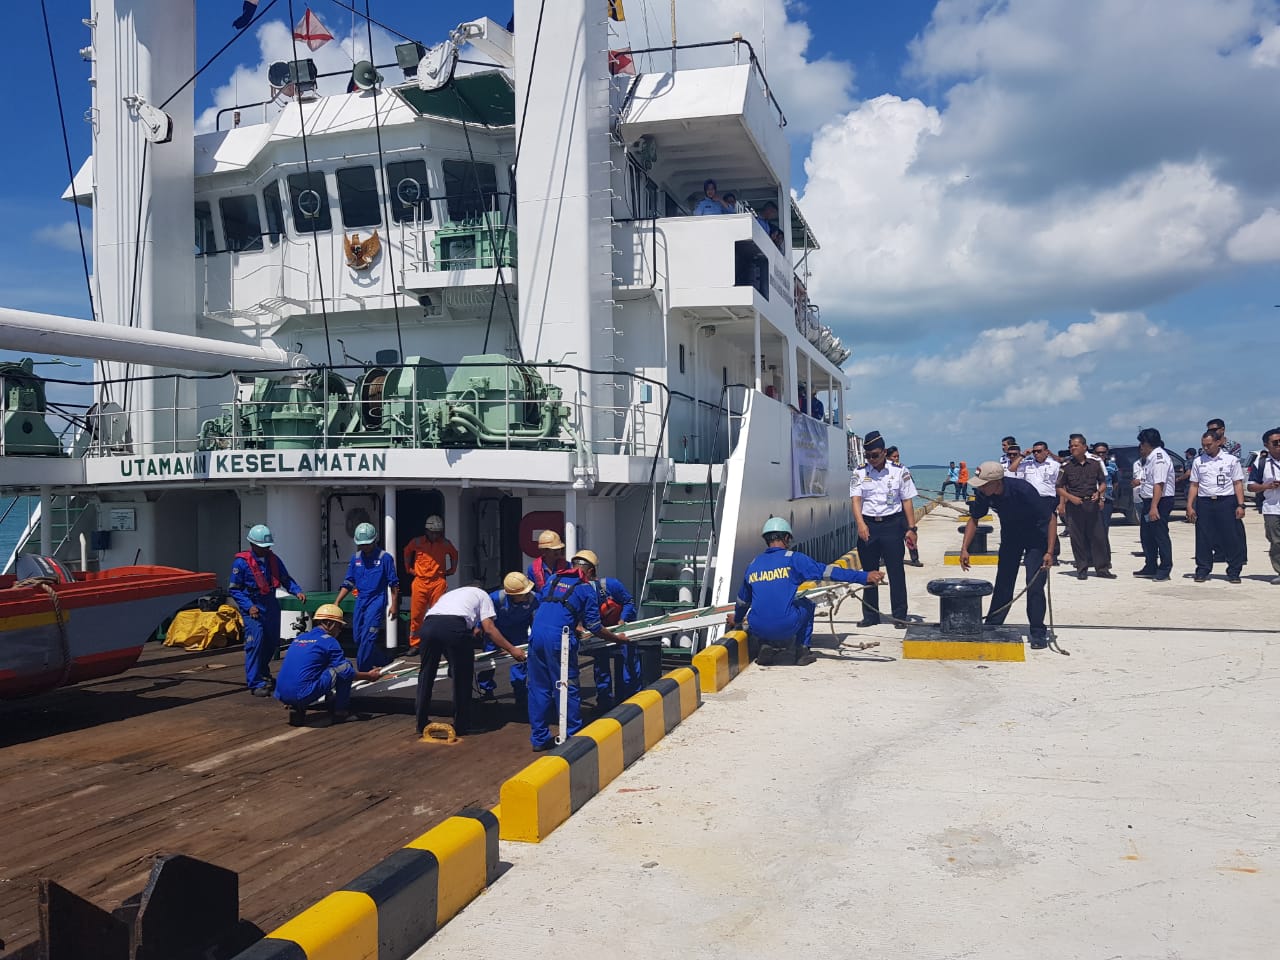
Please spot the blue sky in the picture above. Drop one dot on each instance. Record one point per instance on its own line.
(1034, 220)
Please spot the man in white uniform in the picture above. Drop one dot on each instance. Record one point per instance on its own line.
(1153, 489)
(1215, 504)
(1265, 479)
(881, 495)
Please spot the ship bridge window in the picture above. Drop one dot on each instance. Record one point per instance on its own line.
(309, 198)
(206, 240)
(275, 212)
(240, 223)
(470, 189)
(358, 197)
(407, 185)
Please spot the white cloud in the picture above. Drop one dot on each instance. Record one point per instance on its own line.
(64, 236)
(248, 84)
(1259, 240)
(1034, 365)
(1068, 162)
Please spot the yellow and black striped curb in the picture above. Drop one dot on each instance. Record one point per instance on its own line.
(551, 789)
(390, 911)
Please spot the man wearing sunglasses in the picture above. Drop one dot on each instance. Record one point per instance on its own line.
(1265, 479)
(881, 495)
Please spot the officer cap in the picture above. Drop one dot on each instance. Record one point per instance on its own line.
(260, 535)
(366, 534)
(516, 584)
(775, 525)
(435, 524)
(587, 556)
(550, 540)
(873, 441)
(329, 611)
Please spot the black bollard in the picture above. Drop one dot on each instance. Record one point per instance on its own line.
(961, 606)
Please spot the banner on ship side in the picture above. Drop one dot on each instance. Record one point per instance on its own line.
(310, 465)
(810, 456)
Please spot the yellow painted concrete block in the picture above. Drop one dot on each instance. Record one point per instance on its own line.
(962, 650)
(459, 848)
(342, 926)
(976, 559)
(713, 668)
(688, 681)
(607, 733)
(655, 728)
(535, 801)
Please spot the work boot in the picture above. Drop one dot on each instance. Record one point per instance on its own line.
(262, 691)
(765, 657)
(297, 716)
(1039, 638)
(805, 656)
(869, 622)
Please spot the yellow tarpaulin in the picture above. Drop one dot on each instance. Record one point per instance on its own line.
(201, 630)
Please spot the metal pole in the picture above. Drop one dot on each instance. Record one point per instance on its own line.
(673, 36)
(46, 521)
(759, 389)
(563, 686)
(389, 543)
(571, 522)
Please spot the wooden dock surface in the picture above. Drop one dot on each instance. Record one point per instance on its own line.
(176, 757)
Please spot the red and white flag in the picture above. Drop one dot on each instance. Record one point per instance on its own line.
(621, 61)
(311, 31)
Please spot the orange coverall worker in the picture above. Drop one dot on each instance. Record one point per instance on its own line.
(430, 562)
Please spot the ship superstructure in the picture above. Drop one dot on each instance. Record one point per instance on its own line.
(481, 295)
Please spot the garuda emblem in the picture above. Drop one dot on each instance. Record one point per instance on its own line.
(362, 253)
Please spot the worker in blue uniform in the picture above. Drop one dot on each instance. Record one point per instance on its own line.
(315, 666)
(256, 574)
(550, 560)
(514, 605)
(781, 620)
(616, 606)
(565, 601)
(370, 574)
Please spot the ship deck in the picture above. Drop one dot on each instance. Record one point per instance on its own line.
(175, 757)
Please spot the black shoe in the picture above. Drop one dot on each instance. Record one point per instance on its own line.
(297, 716)
(914, 563)
(1082, 575)
(868, 622)
(1105, 575)
(540, 747)
(901, 624)
(1149, 574)
(1233, 580)
(805, 656)
(1201, 577)
(765, 657)
(1039, 638)
(339, 716)
(1162, 575)
(262, 691)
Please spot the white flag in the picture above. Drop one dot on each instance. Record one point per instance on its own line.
(311, 31)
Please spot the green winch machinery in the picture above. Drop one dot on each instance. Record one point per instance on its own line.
(22, 406)
(489, 401)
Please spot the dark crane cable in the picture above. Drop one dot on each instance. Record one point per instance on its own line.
(221, 50)
(386, 193)
(315, 239)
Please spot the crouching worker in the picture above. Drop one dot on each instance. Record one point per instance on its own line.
(780, 620)
(315, 667)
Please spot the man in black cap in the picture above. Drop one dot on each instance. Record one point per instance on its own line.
(881, 495)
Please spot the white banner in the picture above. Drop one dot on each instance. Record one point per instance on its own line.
(810, 457)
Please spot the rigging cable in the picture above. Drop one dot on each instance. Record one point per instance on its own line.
(315, 239)
(66, 149)
(137, 259)
(373, 22)
(221, 50)
(386, 193)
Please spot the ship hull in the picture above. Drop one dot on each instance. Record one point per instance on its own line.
(97, 628)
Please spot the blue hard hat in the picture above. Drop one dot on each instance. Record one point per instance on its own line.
(776, 525)
(366, 534)
(260, 535)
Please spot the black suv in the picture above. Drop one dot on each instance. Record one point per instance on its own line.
(1124, 501)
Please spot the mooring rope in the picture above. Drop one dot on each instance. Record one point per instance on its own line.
(64, 642)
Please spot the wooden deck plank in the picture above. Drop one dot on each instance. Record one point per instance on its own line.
(175, 757)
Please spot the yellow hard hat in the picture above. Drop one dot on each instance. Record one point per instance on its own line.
(588, 556)
(550, 540)
(516, 584)
(329, 611)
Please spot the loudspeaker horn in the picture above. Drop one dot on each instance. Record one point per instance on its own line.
(364, 76)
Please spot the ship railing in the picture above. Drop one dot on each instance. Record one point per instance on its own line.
(595, 412)
(736, 44)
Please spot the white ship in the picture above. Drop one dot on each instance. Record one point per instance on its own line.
(481, 295)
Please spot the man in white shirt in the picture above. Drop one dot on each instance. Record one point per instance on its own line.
(447, 631)
(880, 495)
(1041, 471)
(1265, 479)
(1215, 504)
(1153, 489)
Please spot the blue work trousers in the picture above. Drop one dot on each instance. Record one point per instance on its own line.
(367, 626)
(544, 701)
(519, 677)
(799, 631)
(627, 657)
(261, 644)
(331, 685)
